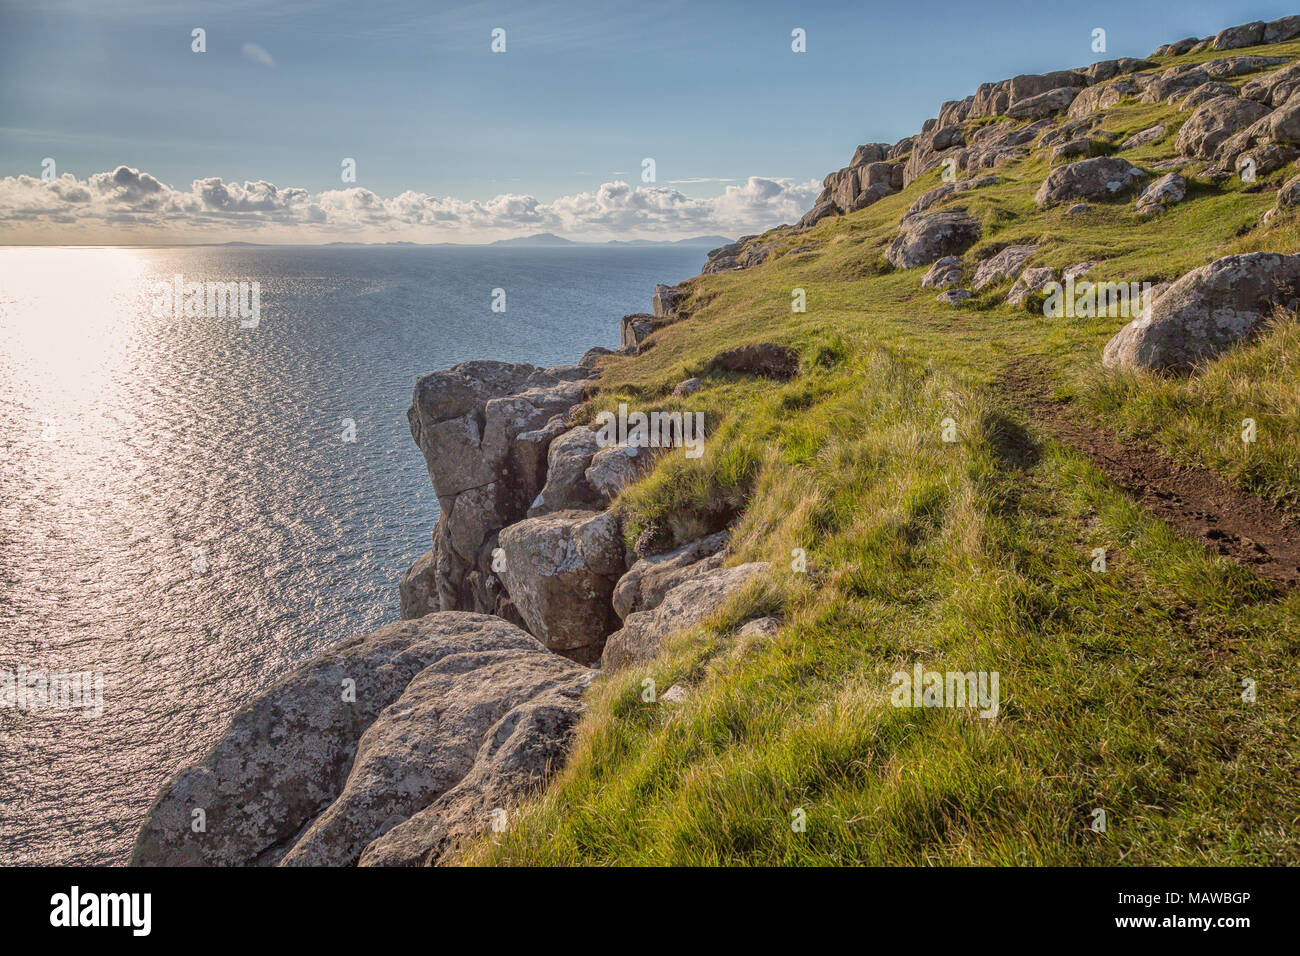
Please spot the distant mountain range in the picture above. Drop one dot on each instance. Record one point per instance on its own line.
(536, 241)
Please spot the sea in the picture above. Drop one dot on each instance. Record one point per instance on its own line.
(193, 504)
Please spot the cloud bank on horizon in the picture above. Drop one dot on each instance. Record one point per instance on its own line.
(128, 205)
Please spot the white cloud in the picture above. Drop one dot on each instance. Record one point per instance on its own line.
(128, 205)
(258, 54)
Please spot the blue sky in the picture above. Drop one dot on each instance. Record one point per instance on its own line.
(583, 92)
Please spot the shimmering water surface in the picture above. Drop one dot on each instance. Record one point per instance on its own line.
(132, 443)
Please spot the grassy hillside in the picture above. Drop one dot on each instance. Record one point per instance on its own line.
(1120, 690)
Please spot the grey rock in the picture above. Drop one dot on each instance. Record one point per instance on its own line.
(1005, 265)
(1099, 178)
(674, 695)
(953, 296)
(944, 273)
(1285, 28)
(1273, 89)
(819, 212)
(687, 386)
(1030, 281)
(418, 589)
(1233, 38)
(635, 329)
(1201, 94)
(643, 632)
(760, 627)
(290, 752)
(1206, 312)
(593, 355)
(1044, 104)
(1144, 137)
(560, 572)
(929, 238)
(1161, 194)
(1103, 97)
(667, 298)
(568, 459)
(650, 578)
(937, 195)
(613, 469)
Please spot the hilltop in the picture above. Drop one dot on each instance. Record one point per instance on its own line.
(916, 464)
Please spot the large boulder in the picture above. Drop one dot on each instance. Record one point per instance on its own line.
(926, 239)
(818, 212)
(667, 298)
(418, 589)
(649, 579)
(944, 273)
(635, 329)
(1101, 97)
(1099, 178)
(1283, 124)
(1043, 104)
(327, 759)
(1207, 311)
(1273, 89)
(484, 429)
(1005, 265)
(1166, 191)
(1285, 28)
(560, 570)
(938, 194)
(1213, 122)
(685, 606)
(1233, 38)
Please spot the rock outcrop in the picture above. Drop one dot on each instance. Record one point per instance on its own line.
(373, 731)
(926, 239)
(1207, 311)
(560, 570)
(484, 429)
(1099, 178)
(684, 606)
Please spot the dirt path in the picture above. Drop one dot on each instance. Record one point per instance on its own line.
(1232, 522)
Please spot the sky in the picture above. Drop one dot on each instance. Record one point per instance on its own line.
(151, 141)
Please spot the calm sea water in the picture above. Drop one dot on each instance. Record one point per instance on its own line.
(135, 450)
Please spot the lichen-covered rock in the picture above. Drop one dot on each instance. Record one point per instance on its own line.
(635, 329)
(687, 386)
(1284, 122)
(484, 429)
(1099, 178)
(289, 753)
(428, 742)
(568, 459)
(1030, 281)
(1207, 311)
(1161, 194)
(1101, 97)
(927, 239)
(519, 752)
(938, 194)
(1005, 265)
(1213, 122)
(593, 355)
(650, 578)
(560, 570)
(1043, 104)
(944, 273)
(666, 300)
(1233, 38)
(418, 589)
(614, 468)
(819, 212)
(1201, 94)
(686, 605)
(1273, 89)
(1144, 137)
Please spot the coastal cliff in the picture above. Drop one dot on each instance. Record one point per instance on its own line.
(888, 480)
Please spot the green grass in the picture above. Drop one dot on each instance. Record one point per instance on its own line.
(1119, 690)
